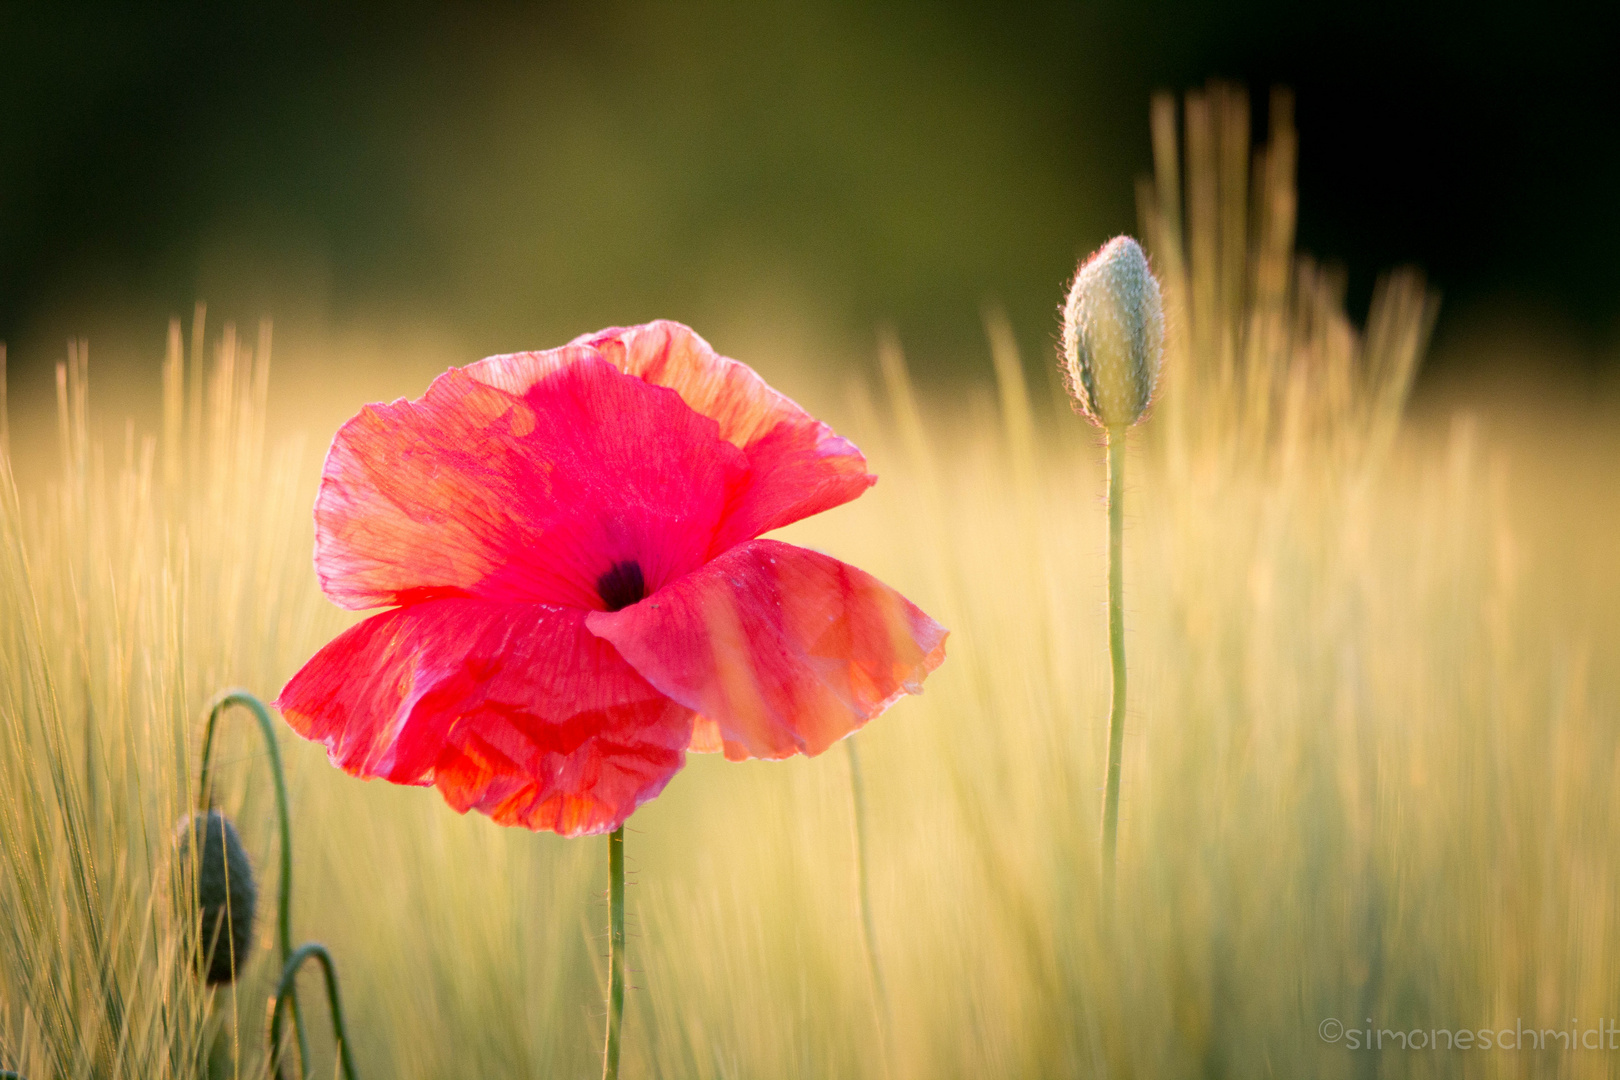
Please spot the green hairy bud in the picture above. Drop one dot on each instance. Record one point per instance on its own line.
(1113, 334)
(223, 891)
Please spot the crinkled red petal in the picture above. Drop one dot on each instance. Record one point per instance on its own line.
(798, 465)
(511, 709)
(785, 650)
(533, 493)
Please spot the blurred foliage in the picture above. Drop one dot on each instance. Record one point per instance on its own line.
(1370, 765)
(513, 174)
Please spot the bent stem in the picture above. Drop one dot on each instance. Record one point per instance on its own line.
(1116, 645)
(615, 1019)
(285, 990)
(205, 796)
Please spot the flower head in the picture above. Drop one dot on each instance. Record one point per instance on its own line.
(1113, 334)
(567, 543)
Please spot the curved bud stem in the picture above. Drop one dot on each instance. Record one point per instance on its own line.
(222, 701)
(284, 995)
(615, 1019)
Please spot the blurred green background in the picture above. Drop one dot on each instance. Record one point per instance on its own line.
(1372, 758)
(502, 176)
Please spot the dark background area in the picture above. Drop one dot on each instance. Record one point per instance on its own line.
(519, 174)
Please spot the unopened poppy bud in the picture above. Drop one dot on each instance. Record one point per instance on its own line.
(1113, 334)
(223, 890)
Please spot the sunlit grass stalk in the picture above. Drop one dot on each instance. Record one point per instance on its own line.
(224, 700)
(72, 403)
(615, 1017)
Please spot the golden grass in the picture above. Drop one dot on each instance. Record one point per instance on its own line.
(1370, 766)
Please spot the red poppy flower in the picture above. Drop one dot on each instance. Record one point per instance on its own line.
(569, 542)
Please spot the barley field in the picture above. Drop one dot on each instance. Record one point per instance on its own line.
(1370, 772)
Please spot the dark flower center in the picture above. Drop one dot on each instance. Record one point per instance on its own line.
(622, 585)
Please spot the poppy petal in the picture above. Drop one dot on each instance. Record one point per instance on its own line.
(511, 709)
(588, 488)
(798, 465)
(785, 650)
(706, 737)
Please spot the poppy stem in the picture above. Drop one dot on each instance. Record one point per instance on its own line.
(857, 799)
(205, 797)
(615, 1020)
(1116, 645)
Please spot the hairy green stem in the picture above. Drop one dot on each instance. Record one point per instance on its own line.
(222, 701)
(285, 989)
(615, 1018)
(1116, 644)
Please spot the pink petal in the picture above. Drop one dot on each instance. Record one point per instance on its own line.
(511, 709)
(799, 465)
(785, 650)
(706, 737)
(533, 494)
